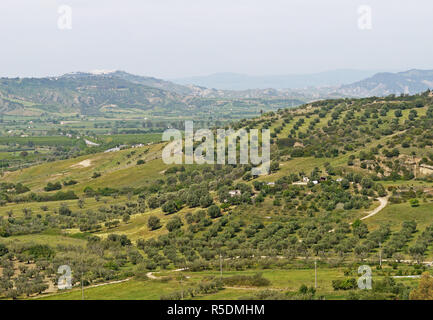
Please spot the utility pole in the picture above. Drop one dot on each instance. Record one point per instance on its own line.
(82, 288)
(221, 268)
(380, 254)
(181, 285)
(315, 274)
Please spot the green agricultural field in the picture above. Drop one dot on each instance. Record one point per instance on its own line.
(280, 281)
(43, 239)
(42, 141)
(131, 138)
(396, 214)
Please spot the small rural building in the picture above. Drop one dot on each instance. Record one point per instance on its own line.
(234, 193)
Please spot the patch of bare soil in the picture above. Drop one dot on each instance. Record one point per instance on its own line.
(83, 164)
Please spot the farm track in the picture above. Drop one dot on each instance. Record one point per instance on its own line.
(79, 288)
(383, 203)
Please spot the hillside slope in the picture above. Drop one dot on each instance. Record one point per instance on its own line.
(383, 84)
(124, 214)
(120, 94)
(83, 93)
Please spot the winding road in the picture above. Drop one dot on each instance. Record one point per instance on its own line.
(383, 202)
(150, 275)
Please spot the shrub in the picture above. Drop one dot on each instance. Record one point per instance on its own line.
(214, 211)
(256, 280)
(173, 224)
(96, 175)
(53, 186)
(170, 207)
(414, 202)
(346, 284)
(69, 183)
(153, 223)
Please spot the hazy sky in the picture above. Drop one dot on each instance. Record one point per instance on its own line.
(176, 38)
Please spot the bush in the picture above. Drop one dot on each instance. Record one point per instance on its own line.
(96, 175)
(414, 203)
(69, 183)
(53, 186)
(346, 284)
(64, 210)
(153, 223)
(173, 224)
(206, 201)
(3, 249)
(170, 207)
(40, 251)
(214, 211)
(256, 280)
(89, 192)
(58, 196)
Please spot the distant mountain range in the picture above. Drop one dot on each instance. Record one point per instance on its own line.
(119, 92)
(235, 81)
(337, 83)
(79, 92)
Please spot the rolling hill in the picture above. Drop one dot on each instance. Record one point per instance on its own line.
(121, 93)
(383, 84)
(126, 219)
(82, 93)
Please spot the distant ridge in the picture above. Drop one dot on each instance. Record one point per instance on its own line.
(118, 92)
(386, 83)
(235, 81)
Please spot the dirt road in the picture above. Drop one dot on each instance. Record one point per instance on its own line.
(383, 202)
